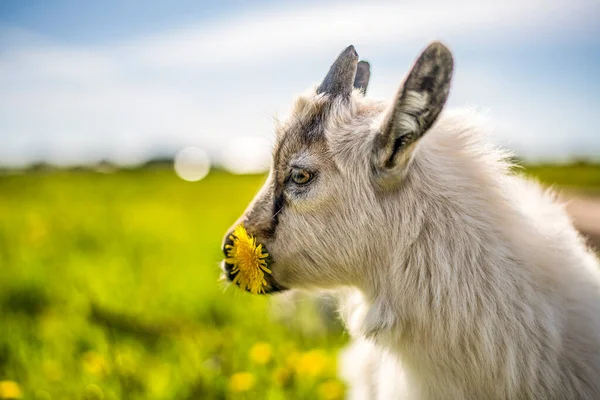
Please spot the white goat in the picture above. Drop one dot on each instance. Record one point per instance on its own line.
(458, 279)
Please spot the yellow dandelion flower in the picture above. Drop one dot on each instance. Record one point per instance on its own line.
(331, 390)
(241, 382)
(94, 363)
(312, 364)
(292, 358)
(10, 390)
(249, 261)
(261, 353)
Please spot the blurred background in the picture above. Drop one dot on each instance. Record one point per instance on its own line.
(132, 134)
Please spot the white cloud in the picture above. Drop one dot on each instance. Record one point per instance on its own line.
(204, 86)
(267, 35)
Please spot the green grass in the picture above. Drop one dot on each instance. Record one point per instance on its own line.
(108, 289)
(579, 175)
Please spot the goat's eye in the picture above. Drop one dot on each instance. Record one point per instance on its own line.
(300, 176)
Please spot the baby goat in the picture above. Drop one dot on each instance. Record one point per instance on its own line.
(457, 279)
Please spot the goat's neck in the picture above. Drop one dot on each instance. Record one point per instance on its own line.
(447, 259)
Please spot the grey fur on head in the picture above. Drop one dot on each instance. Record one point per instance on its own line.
(340, 78)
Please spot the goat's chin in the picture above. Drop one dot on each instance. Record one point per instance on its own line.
(272, 285)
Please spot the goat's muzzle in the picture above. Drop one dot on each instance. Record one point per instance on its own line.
(272, 285)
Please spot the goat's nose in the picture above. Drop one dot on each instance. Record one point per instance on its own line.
(226, 266)
(227, 242)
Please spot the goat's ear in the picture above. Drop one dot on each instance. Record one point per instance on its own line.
(415, 108)
(363, 73)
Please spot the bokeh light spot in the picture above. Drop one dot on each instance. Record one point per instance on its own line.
(192, 164)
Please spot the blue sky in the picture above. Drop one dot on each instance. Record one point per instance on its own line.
(127, 80)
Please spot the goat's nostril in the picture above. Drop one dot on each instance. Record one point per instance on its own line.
(227, 268)
(228, 242)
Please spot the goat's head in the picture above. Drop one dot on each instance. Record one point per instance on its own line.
(336, 156)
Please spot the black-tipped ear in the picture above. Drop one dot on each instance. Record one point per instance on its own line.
(416, 106)
(339, 79)
(363, 73)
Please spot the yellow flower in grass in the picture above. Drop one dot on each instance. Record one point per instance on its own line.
(241, 382)
(10, 390)
(249, 261)
(292, 359)
(261, 353)
(331, 390)
(312, 363)
(94, 363)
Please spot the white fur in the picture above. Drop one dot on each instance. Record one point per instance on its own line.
(486, 291)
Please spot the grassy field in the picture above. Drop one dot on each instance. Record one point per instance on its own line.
(578, 176)
(108, 290)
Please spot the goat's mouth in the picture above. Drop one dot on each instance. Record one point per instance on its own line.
(248, 263)
(272, 286)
